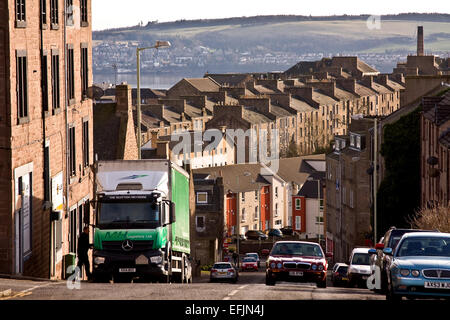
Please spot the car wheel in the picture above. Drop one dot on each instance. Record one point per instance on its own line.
(322, 284)
(390, 295)
(269, 281)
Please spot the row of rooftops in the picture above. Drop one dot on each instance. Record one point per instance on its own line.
(253, 176)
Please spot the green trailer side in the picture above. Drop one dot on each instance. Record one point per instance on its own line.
(180, 196)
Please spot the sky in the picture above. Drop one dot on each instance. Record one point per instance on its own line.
(120, 13)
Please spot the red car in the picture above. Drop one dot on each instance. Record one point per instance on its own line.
(249, 264)
(297, 261)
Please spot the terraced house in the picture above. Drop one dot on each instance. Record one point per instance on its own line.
(45, 133)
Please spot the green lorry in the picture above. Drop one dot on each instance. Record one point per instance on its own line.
(142, 222)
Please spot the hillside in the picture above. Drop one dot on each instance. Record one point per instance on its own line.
(267, 43)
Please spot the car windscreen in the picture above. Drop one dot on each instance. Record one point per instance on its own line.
(222, 266)
(362, 259)
(424, 246)
(126, 213)
(297, 249)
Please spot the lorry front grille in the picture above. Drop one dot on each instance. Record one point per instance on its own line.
(137, 246)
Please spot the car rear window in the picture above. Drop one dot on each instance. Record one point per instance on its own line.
(222, 266)
(342, 269)
(249, 260)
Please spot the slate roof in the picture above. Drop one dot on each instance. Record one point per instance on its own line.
(204, 84)
(232, 79)
(440, 112)
(294, 170)
(309, 188)
(254, 117)
(445, 138)
(237, 177)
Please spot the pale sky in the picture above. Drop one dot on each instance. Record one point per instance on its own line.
(120, 13)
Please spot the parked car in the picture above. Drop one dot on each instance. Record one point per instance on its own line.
(255, 235)
(287, 231)
(419, 266)
(265, 252)
(390, 240)
(224, 271)
(359, 267)
(255, 256)
(339, 275)
(249, 263)
(235, 237)
(275, 233)
(297, 261)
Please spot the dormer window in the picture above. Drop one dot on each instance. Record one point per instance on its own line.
(358, 142)
(352, 140)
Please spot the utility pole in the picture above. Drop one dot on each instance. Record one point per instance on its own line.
(375, 151)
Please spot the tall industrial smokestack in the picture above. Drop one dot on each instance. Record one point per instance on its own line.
(420, 41)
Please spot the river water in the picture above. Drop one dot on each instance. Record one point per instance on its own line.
(153, 81)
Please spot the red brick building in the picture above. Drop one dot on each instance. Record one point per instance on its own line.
(45, 133)
(299, 214)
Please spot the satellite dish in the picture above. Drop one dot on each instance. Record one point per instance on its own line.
(94, 92)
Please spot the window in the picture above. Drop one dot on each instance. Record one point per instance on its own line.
(72, 154)
(56, 104)
(69, 13)
(321, 204)
(84, 70)
(70, 75)
(21, 14)
(319, 220)
(276, 209)
(43, 12)
(44, 67)
(54, 13)
(256, 194)
(202, 197)
(85, 143)
(22, 86)
(343, 195)
(256, 213)
(47, 173)
(84, 12)
(358, 142)
(73, 230)
(298, 204)
(243, 215)
(351, 199)
(276, 192)
(200, 223)
(242, 196)
(298, 223)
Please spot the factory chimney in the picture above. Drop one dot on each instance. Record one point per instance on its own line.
(420, 41)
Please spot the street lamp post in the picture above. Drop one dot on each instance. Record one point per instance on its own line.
(158, 44)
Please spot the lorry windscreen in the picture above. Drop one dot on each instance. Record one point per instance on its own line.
(123, 214)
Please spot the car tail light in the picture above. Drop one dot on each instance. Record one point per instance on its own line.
(213, 270)
(231, 270)
(336, 273)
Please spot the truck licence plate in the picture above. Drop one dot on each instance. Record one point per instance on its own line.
(437, 285)
(296, 273)
(127, 270)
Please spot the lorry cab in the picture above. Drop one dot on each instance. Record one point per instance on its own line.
(142, 221)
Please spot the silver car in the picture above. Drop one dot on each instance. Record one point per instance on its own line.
(224, 271)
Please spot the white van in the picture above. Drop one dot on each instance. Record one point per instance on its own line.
(359, 267)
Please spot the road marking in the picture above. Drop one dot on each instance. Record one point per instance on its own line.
(26, 292)
(227, 298)
(232, 293)
(242, 287)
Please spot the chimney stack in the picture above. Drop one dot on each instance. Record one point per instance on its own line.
(420, 41)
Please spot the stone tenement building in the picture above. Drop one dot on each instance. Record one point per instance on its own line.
(46, 133)
(435, 150)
